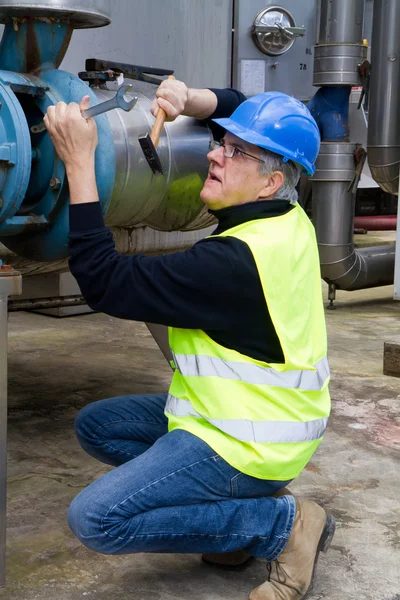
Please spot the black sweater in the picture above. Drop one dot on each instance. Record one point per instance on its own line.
(213, 286)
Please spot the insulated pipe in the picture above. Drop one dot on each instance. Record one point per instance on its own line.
(341, 22)
(342, 264)
(384, 100)
(339, 48)
(376, 222)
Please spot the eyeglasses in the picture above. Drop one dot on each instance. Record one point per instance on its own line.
(230, 151)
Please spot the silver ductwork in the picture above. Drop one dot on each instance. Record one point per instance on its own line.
(340, 31)
(343, 265)
(384, 102)
(168, 203)
(339, 48)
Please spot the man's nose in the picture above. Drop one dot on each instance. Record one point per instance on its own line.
(217, 156)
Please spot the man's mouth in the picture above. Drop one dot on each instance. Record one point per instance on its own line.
(213, 177)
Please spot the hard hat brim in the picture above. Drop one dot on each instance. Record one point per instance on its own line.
(255, 138)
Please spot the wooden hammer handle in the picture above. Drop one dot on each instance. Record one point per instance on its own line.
(159, 124)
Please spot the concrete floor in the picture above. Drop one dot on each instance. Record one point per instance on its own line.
(58, 366)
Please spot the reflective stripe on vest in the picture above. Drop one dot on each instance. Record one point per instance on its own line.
(191, 365)
(254, 431)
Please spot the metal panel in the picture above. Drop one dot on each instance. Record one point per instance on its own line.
(290, 73)
(192, 37)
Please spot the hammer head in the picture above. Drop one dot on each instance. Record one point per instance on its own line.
(151, 154)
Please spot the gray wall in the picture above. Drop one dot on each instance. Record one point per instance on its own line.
(193, 37)
(292, 72)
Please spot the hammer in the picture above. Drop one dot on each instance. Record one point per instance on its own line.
(149, 143)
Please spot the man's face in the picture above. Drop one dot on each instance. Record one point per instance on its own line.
(235, 180)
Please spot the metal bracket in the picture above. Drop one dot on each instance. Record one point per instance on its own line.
(364, 70)
(105, 67)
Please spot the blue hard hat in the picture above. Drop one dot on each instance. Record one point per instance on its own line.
(279, 123)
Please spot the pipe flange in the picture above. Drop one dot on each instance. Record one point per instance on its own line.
(338, 64)
(335, 162)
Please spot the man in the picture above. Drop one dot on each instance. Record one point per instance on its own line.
(198, 470)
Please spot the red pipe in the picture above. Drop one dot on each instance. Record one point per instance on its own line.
(376, 223)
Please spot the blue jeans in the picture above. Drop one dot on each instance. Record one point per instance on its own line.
(170, 491)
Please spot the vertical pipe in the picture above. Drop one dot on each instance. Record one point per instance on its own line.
(10, 283)
(3, 433)
(341, 21)
(33, 45)
(384, 99)
(396, 294)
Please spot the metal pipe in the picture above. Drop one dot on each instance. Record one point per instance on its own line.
(10, 283)
(43, 303)
(341, 22)
(168, 203)
(384, 101)
(3, 433)
(376, 222)
(343, 265)
(339, 49)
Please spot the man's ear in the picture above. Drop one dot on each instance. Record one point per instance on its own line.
(273, 183)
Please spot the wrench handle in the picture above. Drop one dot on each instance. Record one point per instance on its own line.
(159, 124)
(99, 109)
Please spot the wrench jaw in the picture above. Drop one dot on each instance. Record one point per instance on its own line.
(118, 101)
(120, 98)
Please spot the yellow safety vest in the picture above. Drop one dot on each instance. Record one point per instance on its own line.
(265, 419)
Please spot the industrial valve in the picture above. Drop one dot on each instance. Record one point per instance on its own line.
(33, 185)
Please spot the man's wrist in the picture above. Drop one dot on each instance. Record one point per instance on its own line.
(82, 183)
(200, 103)
(76, 170)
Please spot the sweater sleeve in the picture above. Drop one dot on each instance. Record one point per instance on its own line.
(228, 101)
(191, 289)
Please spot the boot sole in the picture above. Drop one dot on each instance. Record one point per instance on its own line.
(323, 546)
(238, 567)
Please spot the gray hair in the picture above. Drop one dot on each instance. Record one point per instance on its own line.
(291, 174)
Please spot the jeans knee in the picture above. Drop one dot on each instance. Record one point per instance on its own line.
(85, 426)
(85, 521)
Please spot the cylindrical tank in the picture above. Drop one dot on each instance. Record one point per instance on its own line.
(170, 202)
(81, 14)
(384, 100)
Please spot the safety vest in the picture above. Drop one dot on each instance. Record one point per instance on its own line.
(264, 419)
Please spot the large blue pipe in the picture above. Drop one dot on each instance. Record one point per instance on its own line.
(330, 108)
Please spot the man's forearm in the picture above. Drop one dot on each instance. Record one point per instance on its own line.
(200, 103)
(82, 184)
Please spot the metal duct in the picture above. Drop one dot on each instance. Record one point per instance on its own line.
(168, 203)
(339, 49)
(342, 264)
(384, 103)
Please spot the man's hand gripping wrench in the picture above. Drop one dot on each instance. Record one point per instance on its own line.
(117, 102)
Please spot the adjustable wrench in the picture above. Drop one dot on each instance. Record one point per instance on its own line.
(117, 102)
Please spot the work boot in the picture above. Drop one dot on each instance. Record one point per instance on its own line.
(290, 577)
(238, 558)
